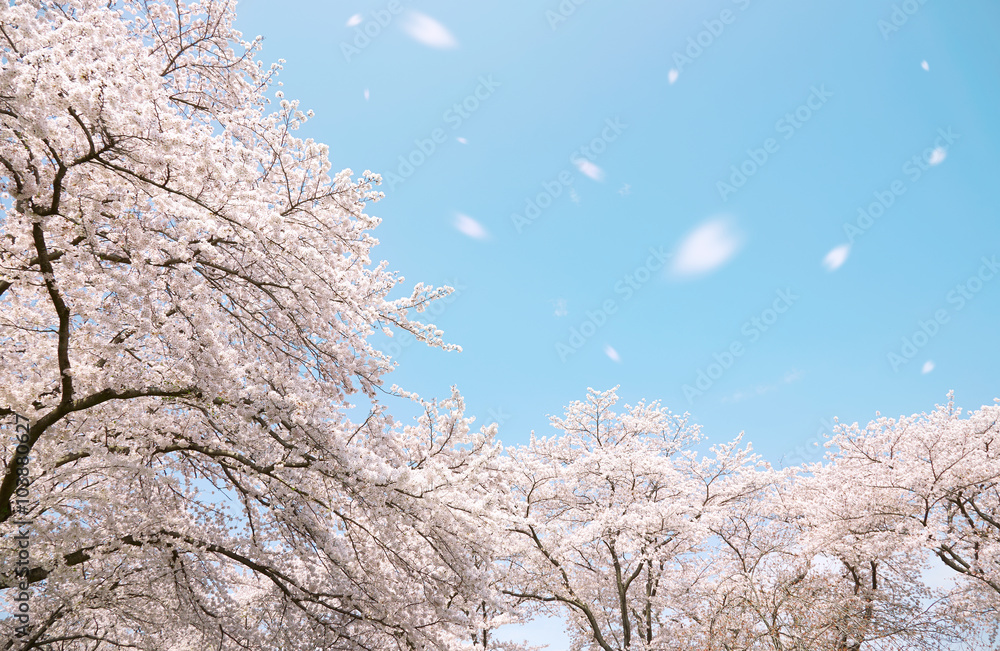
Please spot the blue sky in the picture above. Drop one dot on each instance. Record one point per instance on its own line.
(637, 116)
(866, 123)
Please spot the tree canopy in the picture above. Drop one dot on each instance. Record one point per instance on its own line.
(187, 302)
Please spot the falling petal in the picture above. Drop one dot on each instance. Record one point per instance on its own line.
(707, 248)
(589, 169)
(470, 227)
(836, 257)
(426, 30)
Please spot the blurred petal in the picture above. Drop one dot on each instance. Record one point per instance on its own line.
(836, 257)
(707, 248)
(424, 29)
(469, 226)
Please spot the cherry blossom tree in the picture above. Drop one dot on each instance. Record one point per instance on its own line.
(618, 524)
(609, 521)
(186, 297)
(926, 486)
(783, 579)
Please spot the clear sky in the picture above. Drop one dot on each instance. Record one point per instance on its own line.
(766, 214)
(835, 97)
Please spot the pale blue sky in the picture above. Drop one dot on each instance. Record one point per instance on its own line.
(839, 102)
(556, 90)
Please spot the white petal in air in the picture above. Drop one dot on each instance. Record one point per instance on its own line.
(673, 75)
(426, 30)
(560, 307)
(836, 257)
(354, 20)
(925, 65)
(589, 169)
(462, 140)
(938, 156)
(612, 354)
(928, 367)
(366, 94)
(707, 248)
(471, 227)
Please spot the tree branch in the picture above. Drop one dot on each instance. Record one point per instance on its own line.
(9, 484)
